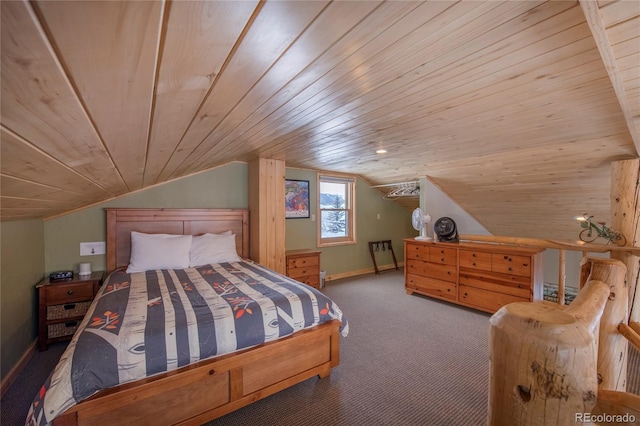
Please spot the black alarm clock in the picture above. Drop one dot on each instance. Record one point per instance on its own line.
(60, 275)
(446, 230)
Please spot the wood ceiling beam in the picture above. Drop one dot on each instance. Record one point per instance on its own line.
(596, 24)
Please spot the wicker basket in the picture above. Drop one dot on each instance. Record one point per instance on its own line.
(68, 310)
(62, 329)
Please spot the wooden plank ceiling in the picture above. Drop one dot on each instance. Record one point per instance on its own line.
(515, 109)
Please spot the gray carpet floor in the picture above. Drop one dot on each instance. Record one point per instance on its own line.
(408, 360)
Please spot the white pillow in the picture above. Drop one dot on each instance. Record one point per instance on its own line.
(213, 248)
(158, 251)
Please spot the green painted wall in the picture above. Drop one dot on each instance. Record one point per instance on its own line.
(394, 224)
(22, 259)
(224, 187)
(34, 248)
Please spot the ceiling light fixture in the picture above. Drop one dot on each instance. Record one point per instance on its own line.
(381, 151)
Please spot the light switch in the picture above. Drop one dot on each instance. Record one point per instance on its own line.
(91, 249)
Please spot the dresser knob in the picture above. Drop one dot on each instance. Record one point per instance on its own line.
(474, 263)
(70, 292)
(473, 255)
(510, 268)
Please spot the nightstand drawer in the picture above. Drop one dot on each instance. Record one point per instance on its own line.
(303, 272)
(312, 280)
(67, 310)
(301, 262)
(62, 293)
(62, 329)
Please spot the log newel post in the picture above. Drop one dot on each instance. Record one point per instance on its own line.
(625, 217)
(612, 348)
(544, 359)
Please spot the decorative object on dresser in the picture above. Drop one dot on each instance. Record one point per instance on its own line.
(480, 276)
(446, 230)
(304, 266)
(62, 305)
(420, 222)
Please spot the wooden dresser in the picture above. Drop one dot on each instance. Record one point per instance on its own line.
(63, 304)
(304, 265)
(480, 276)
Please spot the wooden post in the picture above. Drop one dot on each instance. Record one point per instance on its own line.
(543, 360)
(612, 347)
(267, 216)
(562, 276)
(625, 217)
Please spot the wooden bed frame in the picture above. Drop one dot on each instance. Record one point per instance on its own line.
(197, 393)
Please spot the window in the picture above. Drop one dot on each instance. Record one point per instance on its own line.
(336, 195)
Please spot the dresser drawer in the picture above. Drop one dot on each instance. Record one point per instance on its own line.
(441, 272)
(486, 300)
(418, 267)
(518, 287)
(301, 262)
(64, 293)
(432, 286)
(433, 270)
(475, 260)
(447, 256)
(417, 251)
(507, 264)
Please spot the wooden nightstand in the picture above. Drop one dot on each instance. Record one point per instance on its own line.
(304, 265)
(62, 305)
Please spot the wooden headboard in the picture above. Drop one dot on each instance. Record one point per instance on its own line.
(120, 223)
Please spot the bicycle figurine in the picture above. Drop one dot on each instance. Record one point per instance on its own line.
(592, 231)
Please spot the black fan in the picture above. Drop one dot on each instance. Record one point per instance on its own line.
(446, 230)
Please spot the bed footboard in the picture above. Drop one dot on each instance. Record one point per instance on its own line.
(212, 388)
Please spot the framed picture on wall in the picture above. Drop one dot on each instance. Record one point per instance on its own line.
(296, 199)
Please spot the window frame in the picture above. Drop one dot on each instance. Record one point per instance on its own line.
(350, 207)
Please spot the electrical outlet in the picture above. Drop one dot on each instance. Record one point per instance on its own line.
(91, 249)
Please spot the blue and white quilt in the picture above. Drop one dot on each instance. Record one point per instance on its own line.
(146, 323)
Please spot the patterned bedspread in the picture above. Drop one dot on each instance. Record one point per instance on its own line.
(151, 322)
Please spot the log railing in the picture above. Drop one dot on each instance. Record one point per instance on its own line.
(553, 365)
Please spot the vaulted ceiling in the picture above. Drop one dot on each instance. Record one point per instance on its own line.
(515, 109)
